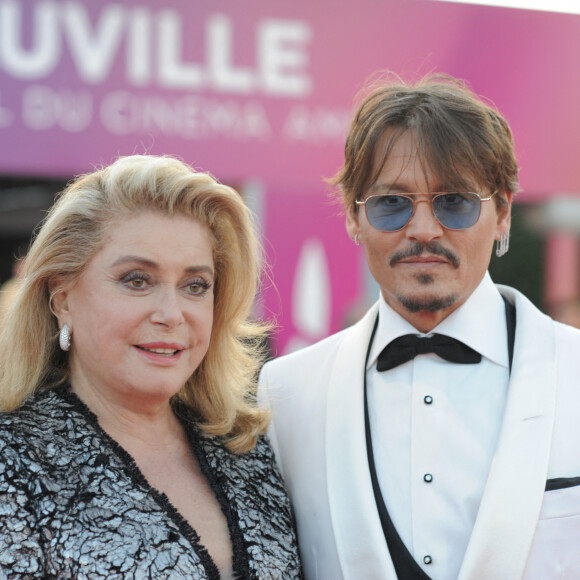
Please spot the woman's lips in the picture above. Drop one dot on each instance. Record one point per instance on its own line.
(161, 350)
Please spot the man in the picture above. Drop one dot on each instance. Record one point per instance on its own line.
(462, 462)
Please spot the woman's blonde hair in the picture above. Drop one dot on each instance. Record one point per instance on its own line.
(222, 389)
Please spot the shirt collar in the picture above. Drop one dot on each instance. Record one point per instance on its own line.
(479, 322)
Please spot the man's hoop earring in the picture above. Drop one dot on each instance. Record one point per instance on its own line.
(356, 240)
(502, 245)
(64, 337)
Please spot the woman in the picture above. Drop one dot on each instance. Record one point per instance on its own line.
(130, 446)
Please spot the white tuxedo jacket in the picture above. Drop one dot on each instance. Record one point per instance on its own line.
(521, 531)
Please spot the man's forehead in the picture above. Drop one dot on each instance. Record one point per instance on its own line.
(399, 161)
(427, 184)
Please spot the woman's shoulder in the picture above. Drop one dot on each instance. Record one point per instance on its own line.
(24, 436)
(42, 408)
(37, 430)
(26, 419)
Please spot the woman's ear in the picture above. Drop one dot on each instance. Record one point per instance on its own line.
(59, 289)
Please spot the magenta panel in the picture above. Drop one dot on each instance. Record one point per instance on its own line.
(261, 91)
(264, 88)
(315, 266)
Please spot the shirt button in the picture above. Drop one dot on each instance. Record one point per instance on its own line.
(427, 559)
(428, 478)
(428, 400)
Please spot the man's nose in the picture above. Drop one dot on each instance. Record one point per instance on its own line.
(423, 225)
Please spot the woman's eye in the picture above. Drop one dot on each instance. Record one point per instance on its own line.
(198, 287)
(136, 281)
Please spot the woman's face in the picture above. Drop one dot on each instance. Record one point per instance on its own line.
(141, 313)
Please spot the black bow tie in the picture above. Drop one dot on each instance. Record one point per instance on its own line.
(407, 347)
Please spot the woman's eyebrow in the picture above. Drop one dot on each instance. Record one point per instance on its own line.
(134, 260)
(145, 262)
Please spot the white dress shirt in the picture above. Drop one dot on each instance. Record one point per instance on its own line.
(435, 426)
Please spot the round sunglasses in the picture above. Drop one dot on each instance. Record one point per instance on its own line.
(392, 212)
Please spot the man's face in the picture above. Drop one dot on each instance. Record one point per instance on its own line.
(424, 270)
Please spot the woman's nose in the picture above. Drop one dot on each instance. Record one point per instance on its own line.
(167, 309)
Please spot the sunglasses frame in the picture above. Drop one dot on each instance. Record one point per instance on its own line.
(414, 201)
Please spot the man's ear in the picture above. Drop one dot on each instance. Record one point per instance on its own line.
(504, 214)
(352, 226)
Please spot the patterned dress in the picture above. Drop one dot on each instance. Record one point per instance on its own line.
(73, 503)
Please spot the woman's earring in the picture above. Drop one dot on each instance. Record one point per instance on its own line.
(356, 240)
(502, 245)
(64, 337)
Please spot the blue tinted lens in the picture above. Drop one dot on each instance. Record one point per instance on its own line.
(389, 213)
(457, 211)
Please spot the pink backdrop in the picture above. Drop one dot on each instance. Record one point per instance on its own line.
(262, 90)
(316, 273)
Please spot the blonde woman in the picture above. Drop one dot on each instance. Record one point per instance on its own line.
(130, 445)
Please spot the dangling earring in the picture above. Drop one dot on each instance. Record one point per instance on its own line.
(64, 337)
(502, 245)
(356, 240)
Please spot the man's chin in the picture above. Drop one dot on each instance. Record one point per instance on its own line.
(431, 303)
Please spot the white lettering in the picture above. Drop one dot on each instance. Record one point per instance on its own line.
(42, 58)
(222, 116)
(191, 117)
(155, 47)
(256, 121)
(172, 72)
(38, 108)
(220, 50)
(44, 108)
(77, 110)
(155, 114)
(283, 57)
(115, 113)
(188, 117)
(93, 52)
(229, 118)
(139, 47)
(303, 124)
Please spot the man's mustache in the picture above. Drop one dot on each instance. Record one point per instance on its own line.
(419, 248)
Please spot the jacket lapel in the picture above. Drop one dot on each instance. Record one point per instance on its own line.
(513, 495)
(359, 536)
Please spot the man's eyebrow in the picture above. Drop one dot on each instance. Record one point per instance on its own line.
(390, 187)
(441, 187)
